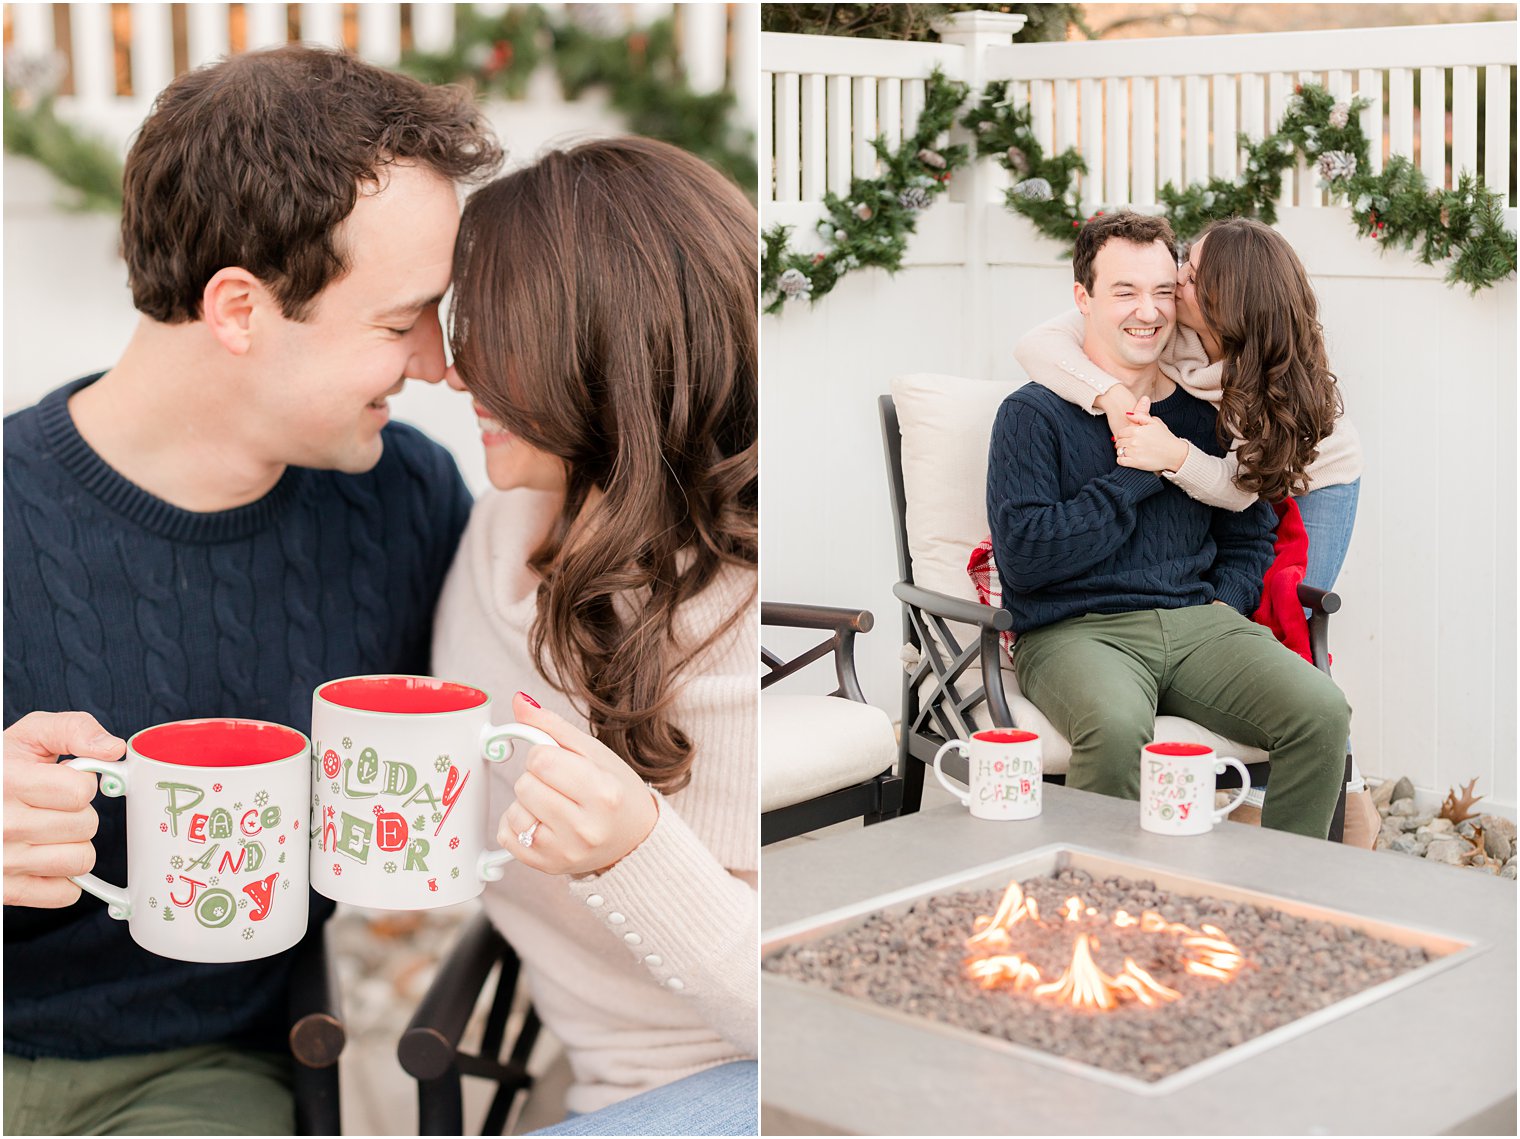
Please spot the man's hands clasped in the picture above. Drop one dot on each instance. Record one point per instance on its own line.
(49, 821)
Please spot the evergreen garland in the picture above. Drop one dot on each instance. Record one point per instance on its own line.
(85, 165)
(1395, 207)
(871, 226)
(641, 69)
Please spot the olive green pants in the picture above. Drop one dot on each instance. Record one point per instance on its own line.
(212, 1089)
(1101, 679)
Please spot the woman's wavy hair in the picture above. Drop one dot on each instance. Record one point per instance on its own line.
(606, 311)
(1279, 396)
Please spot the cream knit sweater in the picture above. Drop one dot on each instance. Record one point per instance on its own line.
(1051, 354)
(649, 972)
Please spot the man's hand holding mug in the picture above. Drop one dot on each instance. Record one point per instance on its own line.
(49, 821)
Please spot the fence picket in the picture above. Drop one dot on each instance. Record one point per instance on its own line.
(814, 143)
(788, 136)
(1464, 122)
(704, 58)
(1092, 143)
(152, 50)
(1496, 134)
(744, 26)
(1253, 107)
(1116, 160)
(32, 25)
(1066, 115)
(768, 139)
(1042, 113)
(863, 126)
(1401, 112)
(1226, 127)
(1433, 125)
(93, 55)
(432, 25)
(1143, 144)
(913, 105)
(267, 26)
(1369, 85)
(1278, 90)
(837, 133)
(380, 33)
(1169, 130)
(323, 24)
(206, 32)
(889, 111)
(1196, 95)
(1309, 192)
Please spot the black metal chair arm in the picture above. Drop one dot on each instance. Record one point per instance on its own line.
(316, 1037)
(430, 1045)
(796, 615)
(1318, 600)
(954, 608)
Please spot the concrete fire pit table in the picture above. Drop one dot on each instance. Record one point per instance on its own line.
(1434, 1054)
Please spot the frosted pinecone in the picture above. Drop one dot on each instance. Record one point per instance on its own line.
(1034, 190)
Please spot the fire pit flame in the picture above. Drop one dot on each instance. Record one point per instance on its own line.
(1084, 985)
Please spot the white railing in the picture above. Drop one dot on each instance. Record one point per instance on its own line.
(718, 44)
(1147, 112)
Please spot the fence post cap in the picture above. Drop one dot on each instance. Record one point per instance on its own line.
(960, 26)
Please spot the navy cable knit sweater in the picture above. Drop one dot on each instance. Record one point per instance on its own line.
(124, 606)
(1074, 533)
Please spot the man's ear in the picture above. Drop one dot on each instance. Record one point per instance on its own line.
(1079, 294)
(228, 306)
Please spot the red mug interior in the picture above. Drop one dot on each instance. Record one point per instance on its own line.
(1178, 749)
(402, 695)
(219, 743)
(1004, 736)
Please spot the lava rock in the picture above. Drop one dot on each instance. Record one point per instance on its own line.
(1448, 850)
(1403, 789)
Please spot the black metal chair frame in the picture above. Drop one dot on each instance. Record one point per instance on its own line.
(877, 798)
(937, 698)
(317, 1036)
(429, 1048)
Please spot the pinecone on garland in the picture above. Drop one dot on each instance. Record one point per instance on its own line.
(1034, 190)
(914, 198)
(1018, 161)
(1340, 114)
(864, 212)
(1334, 164)
(795, 285)
(931, 158)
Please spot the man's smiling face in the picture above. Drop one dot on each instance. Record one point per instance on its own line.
(1132, 308)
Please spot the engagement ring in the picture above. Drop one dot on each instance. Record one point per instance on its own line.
(1121, 452)
(526, 838)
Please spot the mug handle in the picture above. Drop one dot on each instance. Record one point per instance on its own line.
(494, 745)
(963, 796)
(113, 784)
(1245, 784)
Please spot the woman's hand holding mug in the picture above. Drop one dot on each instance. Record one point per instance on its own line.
(586, 809)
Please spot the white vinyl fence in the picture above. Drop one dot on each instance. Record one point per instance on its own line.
(718, 44)
(1425, 644)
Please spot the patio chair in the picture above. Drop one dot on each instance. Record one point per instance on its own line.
(429, 1049)
(936, 430)
(316, 1036)
(823, 759)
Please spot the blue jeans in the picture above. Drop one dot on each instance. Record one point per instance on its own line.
(1329, 513)
(716, 1101)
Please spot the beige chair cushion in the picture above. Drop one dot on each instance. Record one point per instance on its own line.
(946, 426)
(811, 745)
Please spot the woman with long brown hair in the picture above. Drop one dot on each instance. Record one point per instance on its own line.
(605, 323)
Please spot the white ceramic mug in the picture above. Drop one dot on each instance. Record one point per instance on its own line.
(400, 791)
(1177, 787)
(216, 841)
(1004, 773)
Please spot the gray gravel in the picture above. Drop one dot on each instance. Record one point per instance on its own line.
(913, 962)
